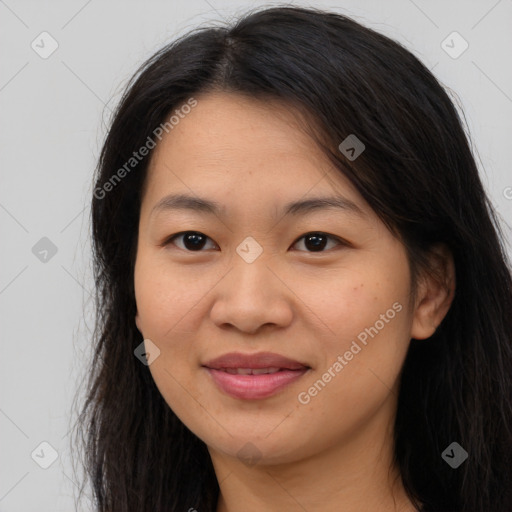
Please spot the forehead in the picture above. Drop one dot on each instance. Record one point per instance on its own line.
(224, 125)
(233, 144)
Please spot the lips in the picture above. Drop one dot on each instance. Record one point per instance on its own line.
(254, 376)
(254, 361)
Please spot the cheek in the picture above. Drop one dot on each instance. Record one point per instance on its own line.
(168, 299)
(360, 364)
(367, 338)
(351, 302)
(168, 303)
(366, 325)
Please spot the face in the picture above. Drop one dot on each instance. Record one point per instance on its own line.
(313, 301)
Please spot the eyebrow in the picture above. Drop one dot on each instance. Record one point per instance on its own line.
(301, 207)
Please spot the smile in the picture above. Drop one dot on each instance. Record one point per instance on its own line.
(254, 376)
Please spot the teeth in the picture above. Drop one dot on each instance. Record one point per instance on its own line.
(250, 371)
(260, 371)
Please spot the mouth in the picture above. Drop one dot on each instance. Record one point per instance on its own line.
(249, 371)
(254, 376)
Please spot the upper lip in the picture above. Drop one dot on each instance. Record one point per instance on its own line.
(259, 360)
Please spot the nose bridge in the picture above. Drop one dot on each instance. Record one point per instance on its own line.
(251, 274)
(251, 295)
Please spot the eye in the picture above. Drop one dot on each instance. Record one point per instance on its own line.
(316, 241)
(192, 240)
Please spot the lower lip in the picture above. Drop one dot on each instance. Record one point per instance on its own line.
(254, 387)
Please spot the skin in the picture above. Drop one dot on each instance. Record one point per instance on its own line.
(333, 453)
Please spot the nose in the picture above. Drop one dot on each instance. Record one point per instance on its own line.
(252, 297)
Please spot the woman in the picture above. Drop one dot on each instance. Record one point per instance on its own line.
(303, 297)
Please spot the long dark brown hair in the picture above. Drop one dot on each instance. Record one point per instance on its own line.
(419, 175)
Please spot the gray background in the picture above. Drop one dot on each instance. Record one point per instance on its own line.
(54, 115)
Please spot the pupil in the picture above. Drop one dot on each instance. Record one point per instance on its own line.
(194, 241)
(318, 241)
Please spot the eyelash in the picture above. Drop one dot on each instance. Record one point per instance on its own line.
(340, 241)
